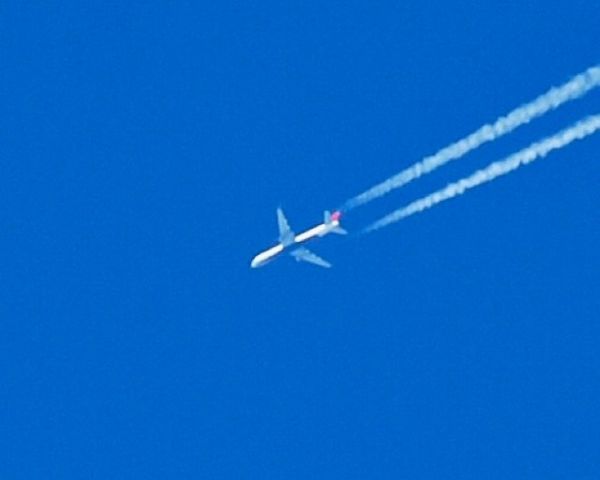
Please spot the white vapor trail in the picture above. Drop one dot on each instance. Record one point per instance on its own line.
(536, 150)
(553, 98)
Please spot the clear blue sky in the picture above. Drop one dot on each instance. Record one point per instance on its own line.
(145, 147)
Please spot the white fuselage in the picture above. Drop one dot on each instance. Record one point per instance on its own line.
(318, 231)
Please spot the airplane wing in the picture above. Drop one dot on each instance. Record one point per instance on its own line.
(286, 235)
(305, 255)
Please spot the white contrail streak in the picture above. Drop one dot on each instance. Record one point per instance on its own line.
(575, 88)
(536, 150)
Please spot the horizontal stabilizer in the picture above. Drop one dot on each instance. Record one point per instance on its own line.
(339, 231)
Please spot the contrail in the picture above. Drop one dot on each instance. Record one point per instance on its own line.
(555, 97)
(536, 150)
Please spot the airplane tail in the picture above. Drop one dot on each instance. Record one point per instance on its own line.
(329, 218)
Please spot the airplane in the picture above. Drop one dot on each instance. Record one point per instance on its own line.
(288, 241)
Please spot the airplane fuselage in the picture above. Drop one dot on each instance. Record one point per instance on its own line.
(318, 231)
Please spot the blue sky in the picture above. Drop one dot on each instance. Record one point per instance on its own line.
(145, 148)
